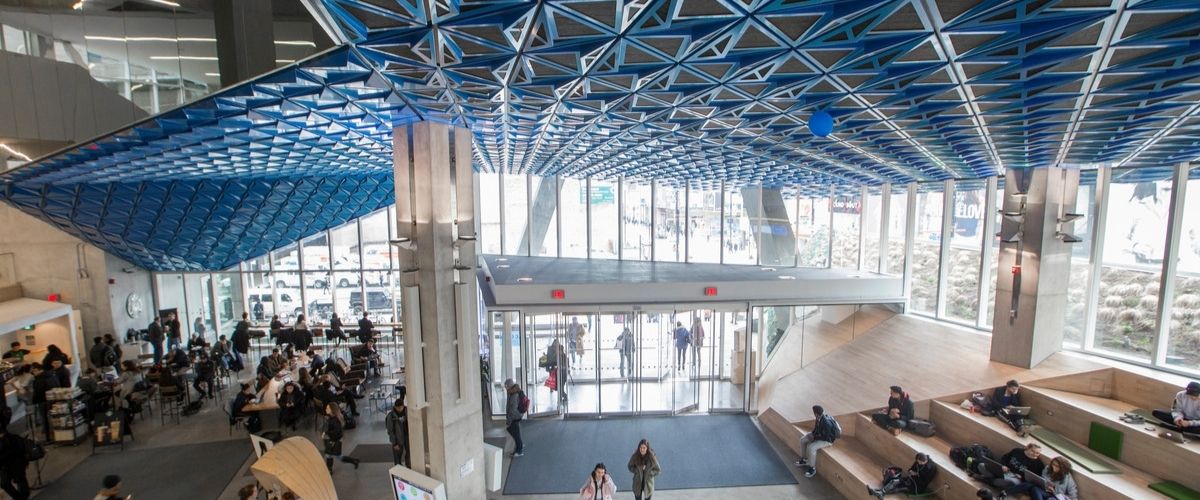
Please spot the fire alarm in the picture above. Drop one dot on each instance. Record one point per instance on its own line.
(710, 291)
(558, 294)
(1016, 269)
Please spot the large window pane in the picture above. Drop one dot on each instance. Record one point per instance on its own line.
(872, 225)
(489, 212)
(926, 252)
(516, 213)
(812, 232)
(1081, 253)
(704, 225)
(545, 216)
(741, 232)
(345, 246)
(1133, 251)
(377, 252)
(573, 198)
(994, 265)
(897, 231)
(229, 302)
(603, 200)
(668, 223)
(966, 251)
(847, 208)
(636, 218)
(1183, 344)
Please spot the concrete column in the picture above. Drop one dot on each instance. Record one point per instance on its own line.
(777, 245)
(1035, 263)
(436, 242)
(541, 210)
(245, 39)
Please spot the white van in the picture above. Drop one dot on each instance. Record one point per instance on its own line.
(287, 306)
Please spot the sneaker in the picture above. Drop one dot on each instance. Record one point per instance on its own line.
(812, 471)
(516, 454)
(801, 463)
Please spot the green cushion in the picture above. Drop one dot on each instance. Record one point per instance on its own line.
(1175, 490)
(1086, 458)
(1106, 440)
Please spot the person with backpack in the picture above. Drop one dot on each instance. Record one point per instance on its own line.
(682, 339)
(914, 481)
(898, 413)
(112, 343)
(825, 431)
(514, 410)
(14, 460)
(101, 355)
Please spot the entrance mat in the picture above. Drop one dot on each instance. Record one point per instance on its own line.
(1175, 490)
(158, 473)
(373, 453)
(704, 451)
(1086, 458)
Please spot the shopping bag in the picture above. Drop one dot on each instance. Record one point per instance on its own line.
(552, 380)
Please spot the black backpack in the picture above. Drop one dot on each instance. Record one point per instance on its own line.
(962, 456)
(33, 450)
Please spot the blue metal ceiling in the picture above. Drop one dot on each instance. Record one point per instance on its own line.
(687, 90)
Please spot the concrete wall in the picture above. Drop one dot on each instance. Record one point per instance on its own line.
(45, 261)
(125, 279)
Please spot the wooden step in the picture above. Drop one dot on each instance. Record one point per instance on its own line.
(850, 467)
(1072, 414)
(951, 482)
(961, 427)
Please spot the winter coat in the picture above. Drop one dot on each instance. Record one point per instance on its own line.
(643, 479)
(512, 407)
(607, 490)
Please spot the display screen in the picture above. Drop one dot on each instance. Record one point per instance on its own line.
(408, 491)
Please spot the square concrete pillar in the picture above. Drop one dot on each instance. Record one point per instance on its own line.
(1034, 264)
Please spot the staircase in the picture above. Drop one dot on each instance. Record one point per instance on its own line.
(1065, 405)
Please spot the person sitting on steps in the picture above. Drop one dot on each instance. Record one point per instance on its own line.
(1013, 466)
(1184, 415)
(898, 413)
(1003, 400)
(914, 481)
(825, 431)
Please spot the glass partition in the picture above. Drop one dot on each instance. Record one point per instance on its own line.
(669, 223)
(635, 216)
(847, 210)
(516, 213)
(1183, 341)
(812, 231)
(573, 198)
(966, 252)
(741, 231)
(897, 230)
(603, 202)
(704, 225)
(489, 213)
(872, 228)
(926, 252)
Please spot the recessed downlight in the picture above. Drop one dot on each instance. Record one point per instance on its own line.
(502, 259)
(503, 266)
(785, 277)
(524, 279)
(768, 269)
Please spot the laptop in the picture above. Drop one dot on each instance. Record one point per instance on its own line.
(1173, 436)
(1035, 479)
(1019, 410)
(993, 468)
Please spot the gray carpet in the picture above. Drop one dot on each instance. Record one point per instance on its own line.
(709, 451)
(157, 473)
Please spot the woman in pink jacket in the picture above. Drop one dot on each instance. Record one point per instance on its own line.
(599, 486)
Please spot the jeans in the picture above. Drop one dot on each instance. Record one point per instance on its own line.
(514, 430)
(883, 420)
(680, 355)
(809, 445)
(626, 356)
(1008, 480)
(1031, 489)
(400, 457)
(15, 483)
(158, 351)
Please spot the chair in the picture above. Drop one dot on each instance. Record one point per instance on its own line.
(318, 414)
(171, 403)
(235, 422)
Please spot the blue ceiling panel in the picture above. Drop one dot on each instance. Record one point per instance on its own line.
(694, 92)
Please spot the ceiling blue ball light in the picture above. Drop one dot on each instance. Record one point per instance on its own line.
(821, 124)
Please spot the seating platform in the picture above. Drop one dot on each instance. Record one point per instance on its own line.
(960, 426)
(1074, 413)
(850, 467)
(951, 482)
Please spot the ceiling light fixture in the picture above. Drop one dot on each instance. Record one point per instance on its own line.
(182, 58)
(78, 5)
(14, 152)
(525, 279)
(165, 2)
(301, 43)
(782, 277)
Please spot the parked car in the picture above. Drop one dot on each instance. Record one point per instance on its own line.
(282, 303)
(320, 310)
(378, 301)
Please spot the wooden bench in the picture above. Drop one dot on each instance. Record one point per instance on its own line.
(850, 467)
(951, 482)
(960, 427)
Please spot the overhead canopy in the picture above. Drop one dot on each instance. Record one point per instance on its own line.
(19, 313)
(696, 91)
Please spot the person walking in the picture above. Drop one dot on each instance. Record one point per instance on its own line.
(14, 460)
(241, 343)
(825, 431)
(682, 339)
(626, 346)
(574, 333)
(644, 466)
(513, 414)
(599, 485)
(396, 423)
(332, 437)
(174, 332)
(697, 338)
(155, 334)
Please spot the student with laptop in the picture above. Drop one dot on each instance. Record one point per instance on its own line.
(1006, 402)
(914, 481)
(1185, 411)
(1009, 471)
(1058, 485)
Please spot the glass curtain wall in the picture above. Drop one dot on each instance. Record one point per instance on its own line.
(872, 228)
(670, 212)
(847, 211)
(966, 252)
(927, 251)
(603, 205)
(636, 214)
(704, 224)
(573, 197)
(740, 229)
(1183, 340)
(897, 231)
(812, 231)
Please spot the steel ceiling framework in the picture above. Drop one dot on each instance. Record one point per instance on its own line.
(688, 91)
